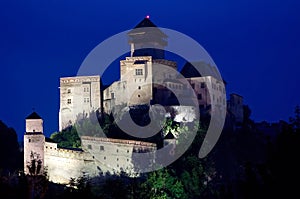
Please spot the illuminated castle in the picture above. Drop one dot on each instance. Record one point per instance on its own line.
(145, 79)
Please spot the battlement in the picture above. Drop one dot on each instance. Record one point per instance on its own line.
(165, 62)
(79, 79)
(119, 141)
(139, 58)
(54, 150)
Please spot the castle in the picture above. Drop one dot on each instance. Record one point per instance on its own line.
(146, 77)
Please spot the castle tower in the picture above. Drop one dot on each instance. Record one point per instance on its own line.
(235, 106)
(146, 35)
(143, 70)
(79, 96)
(34, 141)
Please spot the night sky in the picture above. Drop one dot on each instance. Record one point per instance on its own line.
(254, 43)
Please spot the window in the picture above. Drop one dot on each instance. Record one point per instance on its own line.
(202, 85)
(104, 158)
(199, 96)
(139, 88)
(117, 159)
(29, 140)
(86, 89)
(112, 95)
(69, 91)
(193, 86)
(86, 100)
(69, 101)
(127, 151)
(138, 71)
(117, 150)
(101, 148)
(89, 146)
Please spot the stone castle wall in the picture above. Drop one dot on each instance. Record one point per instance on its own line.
(98, 155)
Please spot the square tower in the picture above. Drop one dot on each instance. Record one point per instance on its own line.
(78, 96)
(34, 141)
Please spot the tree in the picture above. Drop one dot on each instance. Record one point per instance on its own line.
(67, 138)
(162, 185)
(36, 181)
(295, 121)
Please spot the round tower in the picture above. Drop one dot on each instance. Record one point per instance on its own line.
(34, 141)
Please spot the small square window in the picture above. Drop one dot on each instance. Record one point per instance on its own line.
(86, 89)
(69, 101)
(138, 71)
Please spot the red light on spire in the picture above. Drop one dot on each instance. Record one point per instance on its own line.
(148, 17)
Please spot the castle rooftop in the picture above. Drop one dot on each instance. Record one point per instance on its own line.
(33, 115)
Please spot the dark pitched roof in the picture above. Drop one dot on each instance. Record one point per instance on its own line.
(147, 23)
(193, 69)
(33, 115)
(169, 136)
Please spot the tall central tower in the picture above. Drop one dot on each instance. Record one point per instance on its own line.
(146, 39)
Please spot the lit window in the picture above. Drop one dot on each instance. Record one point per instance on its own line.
(69, 101)
(138, 71)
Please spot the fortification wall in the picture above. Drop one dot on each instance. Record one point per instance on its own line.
(64, 164)
(115, 155)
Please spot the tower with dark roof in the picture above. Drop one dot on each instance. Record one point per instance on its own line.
(34, 141)
(146, 39)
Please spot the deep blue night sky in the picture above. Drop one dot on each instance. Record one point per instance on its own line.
(255, 45)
